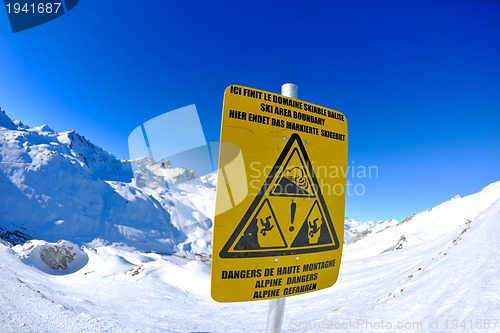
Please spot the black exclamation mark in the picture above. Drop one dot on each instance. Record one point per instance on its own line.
(293, 207)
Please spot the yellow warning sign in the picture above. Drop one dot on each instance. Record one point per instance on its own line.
(282, 233)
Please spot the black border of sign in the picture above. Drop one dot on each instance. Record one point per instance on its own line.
(224, 253)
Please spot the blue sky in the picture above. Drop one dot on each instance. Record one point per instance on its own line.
(419, 81)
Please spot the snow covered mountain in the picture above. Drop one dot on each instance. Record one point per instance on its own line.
(61, 186)
(436, 271)
(356, 230)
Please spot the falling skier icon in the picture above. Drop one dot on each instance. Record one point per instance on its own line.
(313, 231)
(266, 225)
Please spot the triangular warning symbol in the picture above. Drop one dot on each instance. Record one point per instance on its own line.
(262, 232)
(294, 179)
(288, 215)
(314, 229)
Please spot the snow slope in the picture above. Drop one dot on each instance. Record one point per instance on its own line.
(436, 271)
(444, 279)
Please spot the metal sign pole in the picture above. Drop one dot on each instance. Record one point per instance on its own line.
(275, 315)
(277, 306)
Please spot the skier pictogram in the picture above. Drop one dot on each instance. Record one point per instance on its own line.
(262, 232)
(266, 226)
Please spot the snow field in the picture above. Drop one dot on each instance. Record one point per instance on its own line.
(117, 257)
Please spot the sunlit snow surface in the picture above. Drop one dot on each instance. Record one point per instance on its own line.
(446, 273)
(438, 271)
